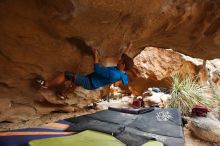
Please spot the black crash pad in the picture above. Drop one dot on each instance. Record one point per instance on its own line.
(164, 125)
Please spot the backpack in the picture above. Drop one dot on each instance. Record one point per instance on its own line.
(200, 111)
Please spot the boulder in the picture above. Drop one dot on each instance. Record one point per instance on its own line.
(206, 128)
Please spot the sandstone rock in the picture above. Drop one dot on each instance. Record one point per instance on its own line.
(206, 128)
(18, 112)
(45, 36)
(156, 66)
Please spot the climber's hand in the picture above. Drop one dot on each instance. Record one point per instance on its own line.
(96, 55)
(127, 49)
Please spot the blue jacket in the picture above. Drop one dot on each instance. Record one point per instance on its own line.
(106, 75)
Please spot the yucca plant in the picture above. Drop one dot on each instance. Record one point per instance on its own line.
(186, 93)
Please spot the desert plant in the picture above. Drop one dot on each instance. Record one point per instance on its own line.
(186, 93)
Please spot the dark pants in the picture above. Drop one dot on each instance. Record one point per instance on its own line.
(79, 80)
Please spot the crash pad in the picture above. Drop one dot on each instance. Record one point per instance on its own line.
(85, 138)
(163, 125)
(21, 137)
(153, 143)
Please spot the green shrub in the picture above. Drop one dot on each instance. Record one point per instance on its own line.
(186, 93)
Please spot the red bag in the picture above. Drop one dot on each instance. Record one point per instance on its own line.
(200, 111)
(138, 103)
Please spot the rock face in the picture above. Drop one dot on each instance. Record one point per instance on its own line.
(47, 36)
(155, 66)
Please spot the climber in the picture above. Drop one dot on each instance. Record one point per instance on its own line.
(100, 77)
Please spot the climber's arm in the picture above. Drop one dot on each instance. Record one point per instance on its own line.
(102, 71)
(127, 49)
(96, 55)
